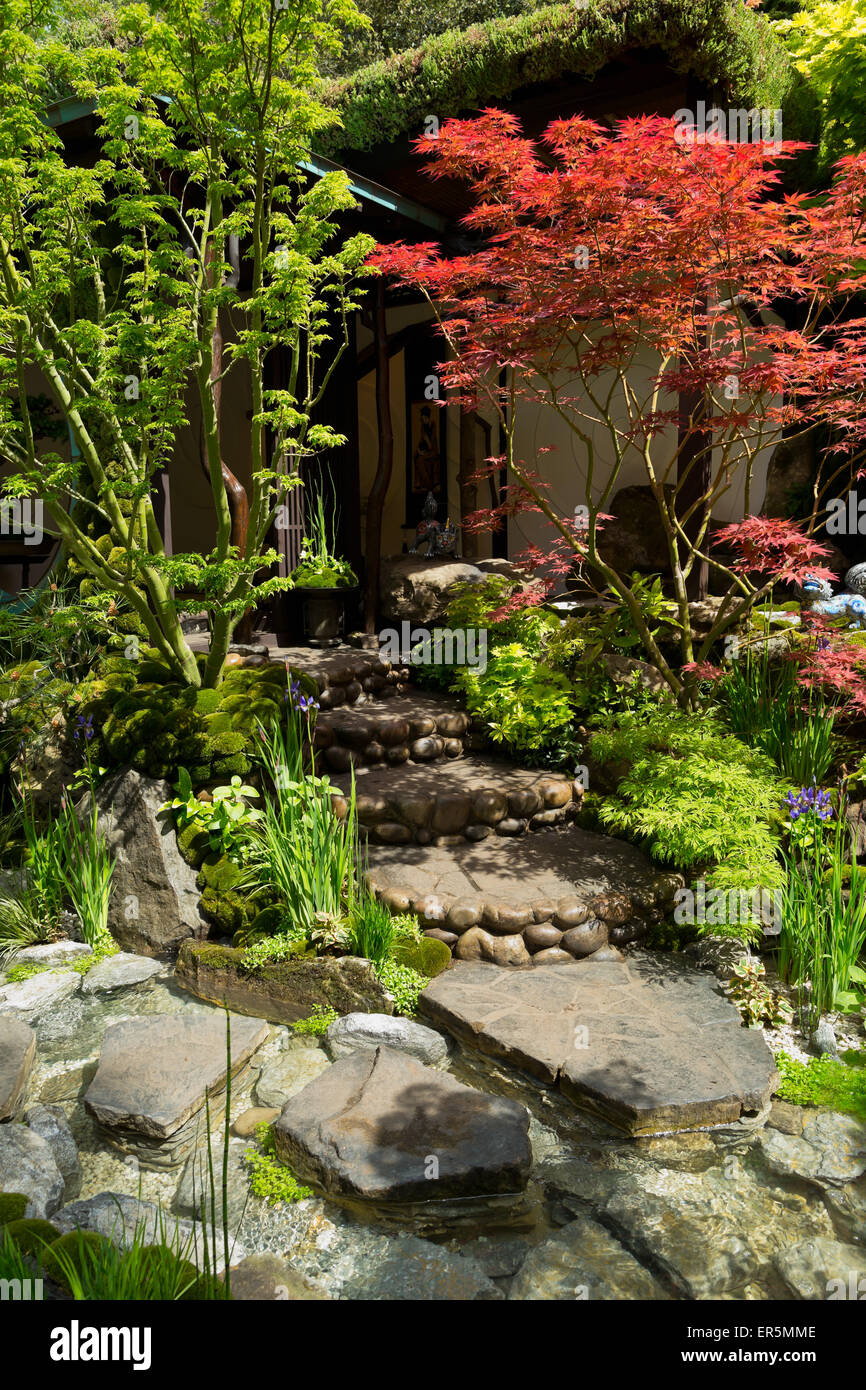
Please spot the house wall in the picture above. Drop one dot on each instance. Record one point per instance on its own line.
(564, 465)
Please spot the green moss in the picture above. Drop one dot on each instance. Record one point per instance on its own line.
(12, 1207)
(194, 845)
(32, 1234)
(74, 1250)
(428, 956)
(207, 701)
(222, 903)
(265, 924)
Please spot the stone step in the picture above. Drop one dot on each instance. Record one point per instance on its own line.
(647, 1044)
(378, 1127)
(342, 675)
(468, 798)
(545, 899)
(411, 727)
(154, 1076)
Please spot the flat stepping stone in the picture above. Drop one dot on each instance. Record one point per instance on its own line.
(155, 1074)
(380, 1127)
(17, 1057)
(365, 1032)
(289, 1073)
(122, 971)
(31, 999)
(54, 953)
(645, 1043)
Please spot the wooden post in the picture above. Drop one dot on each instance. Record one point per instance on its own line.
(467, 487)
(385, 461)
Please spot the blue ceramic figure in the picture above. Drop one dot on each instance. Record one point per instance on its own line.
(819, 597)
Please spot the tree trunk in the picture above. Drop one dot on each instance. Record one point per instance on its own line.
(385, 462)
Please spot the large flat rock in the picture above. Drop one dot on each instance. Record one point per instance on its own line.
(17, 1056)
(381, 1127)
(646, 1043)
(155, 1073)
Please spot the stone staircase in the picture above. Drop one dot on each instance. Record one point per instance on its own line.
(389, 727)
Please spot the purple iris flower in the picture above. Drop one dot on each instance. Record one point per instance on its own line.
(299, 700)
(83, 728)
(814, 799)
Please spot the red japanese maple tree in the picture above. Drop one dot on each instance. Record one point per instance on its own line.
(597, 251)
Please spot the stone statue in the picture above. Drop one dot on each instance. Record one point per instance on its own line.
(431, 537)
(819, 597)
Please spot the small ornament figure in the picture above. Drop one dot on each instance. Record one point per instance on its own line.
(819, 597)
(431, 538)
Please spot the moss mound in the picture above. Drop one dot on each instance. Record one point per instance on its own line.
(12, 1207)
(73, 1253)
(32, 1234)
(428, 956)
(144, 719)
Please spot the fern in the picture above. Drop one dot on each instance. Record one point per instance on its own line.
(694, 797)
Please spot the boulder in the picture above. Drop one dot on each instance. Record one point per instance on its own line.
(822, 1269)
(289, 1073)
(155, 1074)
(418, 590)
(281, 991)
(123, 971)
(17, 1056)
(365, 1032)
(27, 1165)
(831, 1148)
(123, 1219)
(379, 1126)
(154, 901)
(51, 1124)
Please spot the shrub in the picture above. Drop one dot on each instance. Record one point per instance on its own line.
(753, 997)
(695, 797)
(523, 702)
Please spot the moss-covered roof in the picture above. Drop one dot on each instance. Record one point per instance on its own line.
(722, 43)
